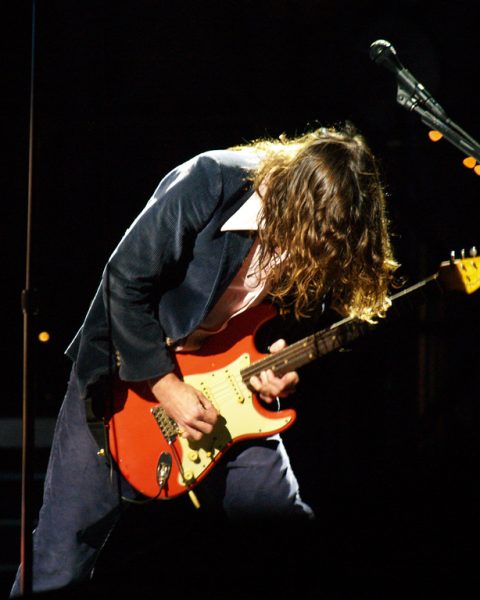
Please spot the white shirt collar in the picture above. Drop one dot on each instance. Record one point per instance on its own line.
(246, 217)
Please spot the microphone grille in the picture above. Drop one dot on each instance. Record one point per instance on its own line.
(378, 47)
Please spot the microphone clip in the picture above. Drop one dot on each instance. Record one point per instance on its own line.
(410, 99)
(411, 95)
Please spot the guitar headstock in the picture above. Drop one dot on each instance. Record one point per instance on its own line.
(461, 274)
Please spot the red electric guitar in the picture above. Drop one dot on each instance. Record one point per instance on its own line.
(144, 440)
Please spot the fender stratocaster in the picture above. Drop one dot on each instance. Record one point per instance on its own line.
(144, 440)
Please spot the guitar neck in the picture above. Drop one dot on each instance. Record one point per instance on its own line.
(322, 342)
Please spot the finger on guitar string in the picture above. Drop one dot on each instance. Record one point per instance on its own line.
(277, 346)
(268, 386)
(187, 406)
(210, 409)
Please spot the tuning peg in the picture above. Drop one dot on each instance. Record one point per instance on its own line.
(462, 252)
(452, 256)
(473, 252)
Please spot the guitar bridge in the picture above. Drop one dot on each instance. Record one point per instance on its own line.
(167, 425)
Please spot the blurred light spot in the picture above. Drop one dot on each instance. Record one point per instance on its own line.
(469, 162)
(44, 336)
(435, 135)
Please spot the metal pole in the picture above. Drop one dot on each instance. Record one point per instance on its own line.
(28, 308)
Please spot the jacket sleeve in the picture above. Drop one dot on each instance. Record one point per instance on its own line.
(152, 249)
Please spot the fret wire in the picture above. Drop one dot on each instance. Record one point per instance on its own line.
(325, 341)
(347, 326)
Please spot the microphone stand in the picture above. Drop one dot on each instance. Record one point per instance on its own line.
(29, 308)
(448, 128)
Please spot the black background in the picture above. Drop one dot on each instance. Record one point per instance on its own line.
(386, 441)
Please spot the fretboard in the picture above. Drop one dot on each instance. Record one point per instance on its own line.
(308, 349)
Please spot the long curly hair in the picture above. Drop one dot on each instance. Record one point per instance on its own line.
(323, 227)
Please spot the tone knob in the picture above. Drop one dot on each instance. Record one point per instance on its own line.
(193, 455)
(187, 475)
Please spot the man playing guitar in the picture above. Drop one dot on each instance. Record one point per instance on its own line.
(298, 222)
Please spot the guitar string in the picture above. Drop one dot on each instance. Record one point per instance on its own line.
(225, 388)
(302, 351)
(305, 350)
(319, 343)
(320, 340)
(225, 392)
(223, 385)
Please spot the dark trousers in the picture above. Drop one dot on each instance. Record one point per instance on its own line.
(82, 496)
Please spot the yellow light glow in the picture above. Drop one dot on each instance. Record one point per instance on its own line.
(435, 135)
(469, 162)
(44, 336)
(477, 169)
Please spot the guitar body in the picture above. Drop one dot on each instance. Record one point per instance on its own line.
(142, 439)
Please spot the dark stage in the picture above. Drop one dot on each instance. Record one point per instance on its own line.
(386, 443)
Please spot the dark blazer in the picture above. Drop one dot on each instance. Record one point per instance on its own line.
(168, 270)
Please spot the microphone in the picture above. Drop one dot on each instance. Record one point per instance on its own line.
(384, 54)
